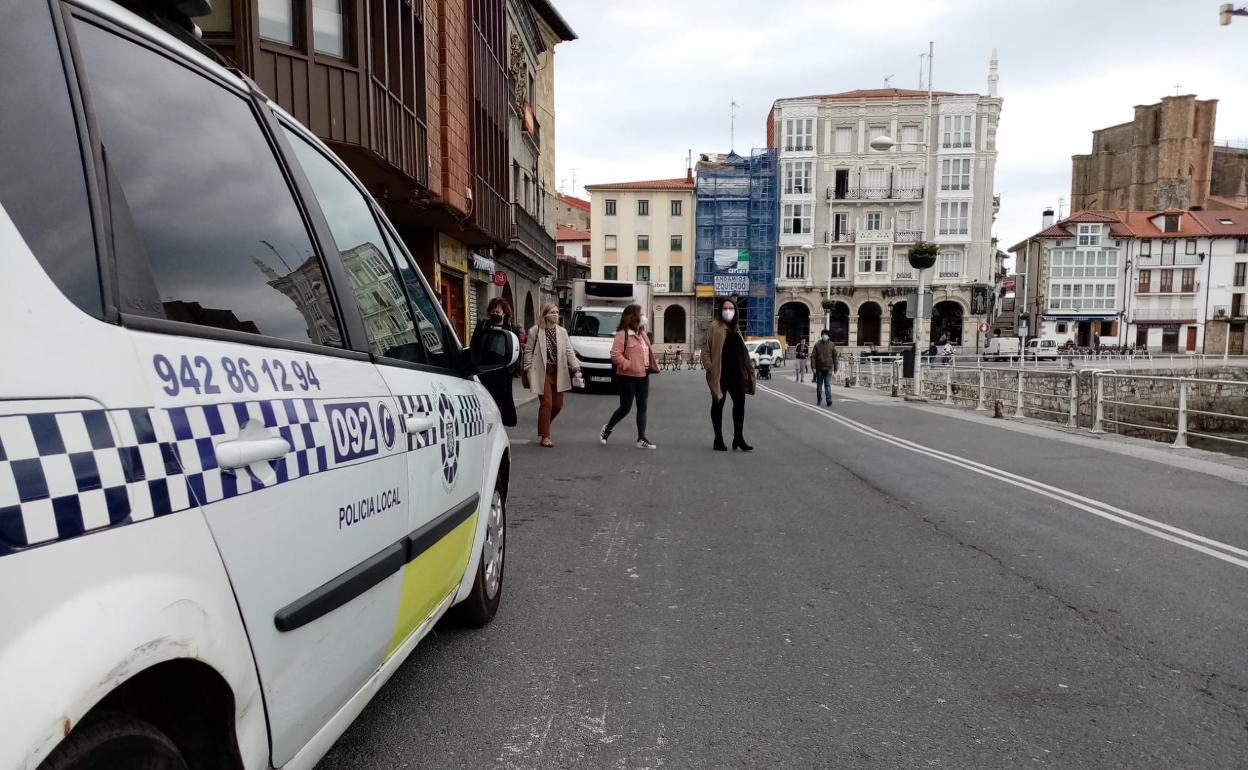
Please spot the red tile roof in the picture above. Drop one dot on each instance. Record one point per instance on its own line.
(573, 201)
(875, 93)
(1212, 221)
(1091, 217)
(568, 233)
(1054, 231)
(679, 183)
(1141, 226)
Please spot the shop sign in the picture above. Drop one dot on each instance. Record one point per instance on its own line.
(500, 278)
(453, 254)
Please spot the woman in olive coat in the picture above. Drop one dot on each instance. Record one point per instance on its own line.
(728, 373)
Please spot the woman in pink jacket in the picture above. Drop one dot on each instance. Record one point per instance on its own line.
(633, 358)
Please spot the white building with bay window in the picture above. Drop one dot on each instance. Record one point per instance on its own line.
(849, 213)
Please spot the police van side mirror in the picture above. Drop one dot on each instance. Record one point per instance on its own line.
(492, 349)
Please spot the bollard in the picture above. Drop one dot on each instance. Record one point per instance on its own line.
(1018, 411)
(1073, 422)
(949, 386)
(1180, 437)
(979, 403)
(998, 409)
(1097, 422)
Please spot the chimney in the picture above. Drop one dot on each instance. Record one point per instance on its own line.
(689, 167)
(1046, 219)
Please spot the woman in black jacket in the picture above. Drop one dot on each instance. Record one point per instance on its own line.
(498, 382)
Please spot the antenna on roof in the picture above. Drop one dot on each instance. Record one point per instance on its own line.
(732, 126)
(887, 78)
(575, 189)
(1061, 203)
(922, 56)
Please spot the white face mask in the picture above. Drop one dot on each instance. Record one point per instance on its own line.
(552, 317)
(644, 323)
(823, 338)
(729, 313)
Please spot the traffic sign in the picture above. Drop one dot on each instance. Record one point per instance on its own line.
(500, 278)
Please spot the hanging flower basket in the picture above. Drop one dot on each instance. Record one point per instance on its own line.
(922, 255)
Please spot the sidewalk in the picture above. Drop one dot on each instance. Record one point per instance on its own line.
(521, 394)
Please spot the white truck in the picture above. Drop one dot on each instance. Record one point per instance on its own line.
(596, 309)
(1002, 348)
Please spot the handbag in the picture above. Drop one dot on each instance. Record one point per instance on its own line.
(651, 366)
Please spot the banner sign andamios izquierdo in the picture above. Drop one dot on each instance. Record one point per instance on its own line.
(732, 272)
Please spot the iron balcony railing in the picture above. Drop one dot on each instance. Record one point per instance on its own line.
(531, 239)
(875, 193)
(908, 236)
(842, 237)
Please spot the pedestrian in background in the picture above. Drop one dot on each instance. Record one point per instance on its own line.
(802, 353)
(825, 362)
(552, 366)
(633, 358)
(728, 373)
(498, 382)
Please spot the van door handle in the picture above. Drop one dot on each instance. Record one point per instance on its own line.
(243, 452)
(420, 423)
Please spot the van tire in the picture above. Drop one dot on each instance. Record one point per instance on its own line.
(480, 607)
(115, 742)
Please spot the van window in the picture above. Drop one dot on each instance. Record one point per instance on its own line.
(208, 230)
(42, 186)
(368, 260)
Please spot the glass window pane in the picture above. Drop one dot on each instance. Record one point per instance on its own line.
(219, 20)
(329, 27)
(369, 263)
(209, 207)
(277, 21)
(42, 186)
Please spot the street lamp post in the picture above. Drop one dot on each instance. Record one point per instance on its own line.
(886, 143)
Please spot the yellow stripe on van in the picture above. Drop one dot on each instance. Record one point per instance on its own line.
(428, 578)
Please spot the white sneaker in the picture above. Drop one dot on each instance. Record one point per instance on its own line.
(603, 435)
(644, 444)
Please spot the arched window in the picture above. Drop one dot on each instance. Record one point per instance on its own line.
(674, 324)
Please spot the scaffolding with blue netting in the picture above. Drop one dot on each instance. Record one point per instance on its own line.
(738, 209)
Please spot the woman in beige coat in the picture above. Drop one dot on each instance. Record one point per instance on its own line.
(728, 373)
(551, 365)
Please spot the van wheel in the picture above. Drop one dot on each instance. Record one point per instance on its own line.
(487, 589)
(115, 742)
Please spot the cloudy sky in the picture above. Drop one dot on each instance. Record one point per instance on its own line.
(649, 80)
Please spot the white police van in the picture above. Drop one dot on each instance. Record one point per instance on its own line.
(244, 462)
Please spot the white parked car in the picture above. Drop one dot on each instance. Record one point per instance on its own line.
(755, 348)
(1041, 350)
(245, 464)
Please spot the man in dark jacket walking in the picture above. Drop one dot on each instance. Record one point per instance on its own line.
(824, 362)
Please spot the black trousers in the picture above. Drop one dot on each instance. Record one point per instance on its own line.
(632, 388)
(738, 411)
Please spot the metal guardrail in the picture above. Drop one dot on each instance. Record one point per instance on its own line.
(1058, 394)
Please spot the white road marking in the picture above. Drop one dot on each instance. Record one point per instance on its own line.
(1158, 529)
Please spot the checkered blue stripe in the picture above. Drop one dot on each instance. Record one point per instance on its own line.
(197, 430)
(63, 474)
(417, 406)
(471, 417)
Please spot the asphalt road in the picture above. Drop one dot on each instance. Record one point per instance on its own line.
(838, 598)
